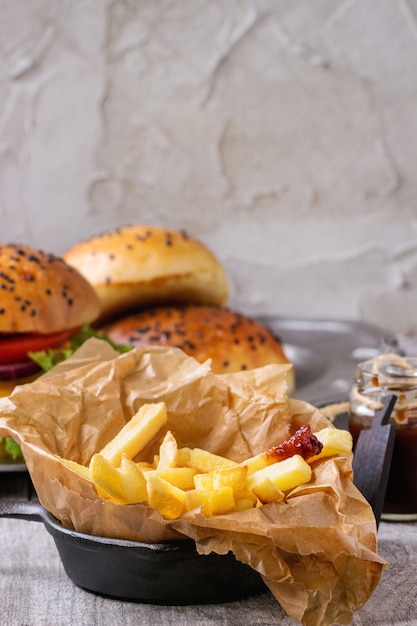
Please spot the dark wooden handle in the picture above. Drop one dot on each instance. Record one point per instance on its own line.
(372, 457)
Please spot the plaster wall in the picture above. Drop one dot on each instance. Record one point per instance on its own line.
(282, 133)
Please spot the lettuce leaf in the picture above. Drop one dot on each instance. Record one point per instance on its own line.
(11, 448)
(47, 359)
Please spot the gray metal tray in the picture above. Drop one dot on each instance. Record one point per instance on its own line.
(325, 353)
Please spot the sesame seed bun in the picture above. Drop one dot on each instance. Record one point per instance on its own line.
(40, 293)
(231, 340)
(134, 267)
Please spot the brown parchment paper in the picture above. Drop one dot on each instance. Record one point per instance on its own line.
(317, 550)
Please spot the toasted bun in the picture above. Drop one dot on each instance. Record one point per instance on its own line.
(40, 293)
(231, 340)
(138, 266)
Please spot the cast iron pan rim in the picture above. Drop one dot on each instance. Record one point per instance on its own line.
(185, 547)
(33, 510)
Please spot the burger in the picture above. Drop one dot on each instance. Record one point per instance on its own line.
(232, 341)
(159, 286)
(135, 267)
(44, 302)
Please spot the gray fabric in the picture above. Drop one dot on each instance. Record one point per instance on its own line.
(35, 591)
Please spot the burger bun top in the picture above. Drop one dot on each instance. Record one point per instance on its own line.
(41, 293)
(134, 267)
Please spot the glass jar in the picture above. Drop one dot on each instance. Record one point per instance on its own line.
(381, 376)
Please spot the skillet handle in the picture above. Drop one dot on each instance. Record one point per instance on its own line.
(22, 509)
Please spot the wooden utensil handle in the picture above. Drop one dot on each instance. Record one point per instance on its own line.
(372, 457)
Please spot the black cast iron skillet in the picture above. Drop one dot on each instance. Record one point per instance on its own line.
(173, 572)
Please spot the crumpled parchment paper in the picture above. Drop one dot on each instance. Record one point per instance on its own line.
(316, 551)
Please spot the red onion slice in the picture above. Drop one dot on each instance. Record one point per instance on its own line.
(14, 371)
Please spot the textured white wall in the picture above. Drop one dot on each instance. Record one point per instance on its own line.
(281, 133)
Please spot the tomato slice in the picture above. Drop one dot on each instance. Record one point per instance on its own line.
(15, 348)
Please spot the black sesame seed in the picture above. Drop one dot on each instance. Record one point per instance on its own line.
(6, 277)
(143, 329)
(32, 257)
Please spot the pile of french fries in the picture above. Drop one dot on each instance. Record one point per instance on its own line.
(187, 479)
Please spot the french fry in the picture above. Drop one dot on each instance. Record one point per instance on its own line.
(335, 441)
(218, 502)
(256, 463)
(212, 502)
(123, 485)
(133, 481)
(182, 477)
(284, 475)
(107, 478)
(234, 477)
(186, 479)
(136, 433)
(166, 498)
(168, 452)
(246, 494)
(243, 504)
(82, 470)
(267, 492)
(194, 498)
(202, 460)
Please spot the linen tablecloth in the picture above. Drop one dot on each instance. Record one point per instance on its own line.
(35, 591)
